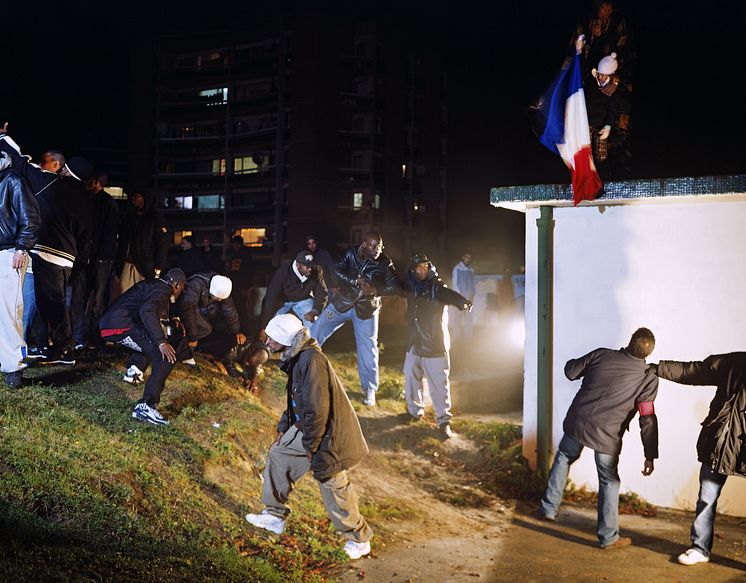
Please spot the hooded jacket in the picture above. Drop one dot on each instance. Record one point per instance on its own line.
(143, 238)
(614, 383)
(64, 208)
(425, 303)
(19, 212)
(142, 306)
(286, 286)
(380, 273)
(318, 405)
(722, 441)
(196, 298)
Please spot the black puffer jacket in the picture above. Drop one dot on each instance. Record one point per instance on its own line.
(722, 441)
(425, 303)
(142, 306)
(318, 405)
(380, 273)
(196, 298)
(143, 238)
(19, 212)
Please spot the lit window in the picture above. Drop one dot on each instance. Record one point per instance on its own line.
(252, 237)
(357, 200)
(218, 166)
(377, 200)
(179, 235)
(403, 170)
(210, 201)
(244, 165)
(183, 202)
(215, 96)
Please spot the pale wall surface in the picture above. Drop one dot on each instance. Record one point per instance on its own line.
(678, 269)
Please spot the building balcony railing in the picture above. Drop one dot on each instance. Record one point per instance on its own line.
(241, 136)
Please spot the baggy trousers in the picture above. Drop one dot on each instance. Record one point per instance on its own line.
(12, 346)
(287, 463)
(435, 370)
(50, 287)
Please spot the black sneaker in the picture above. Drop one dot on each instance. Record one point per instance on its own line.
(14, 379)
(36, 352)
(59, 357)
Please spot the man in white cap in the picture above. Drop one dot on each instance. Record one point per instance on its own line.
(319, 431)
(207, 310)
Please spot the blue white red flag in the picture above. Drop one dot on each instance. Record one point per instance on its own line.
(563, 128)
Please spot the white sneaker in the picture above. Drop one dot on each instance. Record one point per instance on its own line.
(267, 521)
(692, 557)
(134, 375)
(356, 550)
(144, 412)
(370, 398)
(190, 362)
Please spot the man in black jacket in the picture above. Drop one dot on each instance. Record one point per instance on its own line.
(19, 223)
(64, 239)
(297, 286)
(616, 385)
(319, 431)
(427, 356)
(90, 282)
(206, 294)
(721, 447)
(134, 321)
(143, 243)
(364, 274)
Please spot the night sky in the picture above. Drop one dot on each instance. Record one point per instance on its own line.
(65, 79)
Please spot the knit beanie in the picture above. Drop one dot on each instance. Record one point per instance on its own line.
(283, 328)
(608, 65)
(220, 286)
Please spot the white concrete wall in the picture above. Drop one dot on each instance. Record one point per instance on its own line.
(678, 269)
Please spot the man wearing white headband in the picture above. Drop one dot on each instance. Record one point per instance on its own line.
(319, 431)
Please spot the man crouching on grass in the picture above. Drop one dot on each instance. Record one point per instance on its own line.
(318, 431)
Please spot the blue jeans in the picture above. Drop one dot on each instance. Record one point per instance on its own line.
(300, 309)
(710, 485)
(29, 306)
(366, 341)
(608, 487)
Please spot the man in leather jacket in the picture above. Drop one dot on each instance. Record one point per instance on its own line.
(427, 356)
(19, 223)
(364, 274)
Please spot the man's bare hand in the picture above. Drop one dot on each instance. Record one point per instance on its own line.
(19, 259)
(167, 352)
(279, 437)
(311, 316)
(648, 468)
(609, 89)
(263, 335)
(193, 344)
(240, 338)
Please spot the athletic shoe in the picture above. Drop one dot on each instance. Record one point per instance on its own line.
(80, 346)
(134, 375)
(538, 514)
(370, 398)
(14, 379)
(59, 357)
(692, 557)
(148, 414)
(446, 430)
(267, 521)
(621, 542)
(35, 352)
(356, 550)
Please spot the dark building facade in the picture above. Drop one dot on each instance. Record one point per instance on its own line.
(307, 124)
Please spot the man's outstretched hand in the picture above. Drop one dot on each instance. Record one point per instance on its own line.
(648, 468)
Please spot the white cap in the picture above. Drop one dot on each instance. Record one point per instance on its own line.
(608, 65)
(284, 328)
(220, 286)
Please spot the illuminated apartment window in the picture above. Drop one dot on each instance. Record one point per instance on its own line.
(216, 96)
(179, 235)
(218, 166)
(210, 201)
(357, 201)
(183, 202)
(252, 237)
(116, 192)
(377, 200)
(244, 165)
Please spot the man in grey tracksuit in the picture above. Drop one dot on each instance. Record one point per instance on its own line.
(319, 431)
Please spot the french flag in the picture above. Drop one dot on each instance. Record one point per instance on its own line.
(562, 126)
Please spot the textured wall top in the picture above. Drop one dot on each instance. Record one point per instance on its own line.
(514, 196)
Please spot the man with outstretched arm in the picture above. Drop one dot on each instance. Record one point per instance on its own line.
(721, 447)
(616, 386)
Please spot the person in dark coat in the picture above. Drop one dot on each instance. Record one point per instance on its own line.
(241, 272)
(143, 243)
(721, 447)
(209, 315)
(90, 281)
(319, 431)
(616, 386)
(427, 354)
(211, 260)
(135, 321)
(297, 286)
(322, 258)
(190, 259)
(363, 274)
